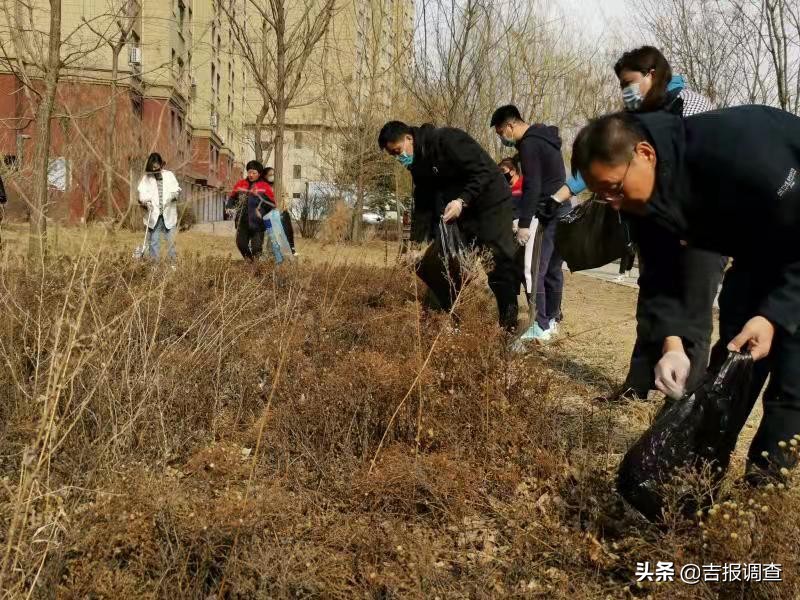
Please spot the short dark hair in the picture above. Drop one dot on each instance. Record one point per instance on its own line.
(255, 166)
(506, 113)
(644, 60)
(392, 132)
(609, 139)
(154, 157)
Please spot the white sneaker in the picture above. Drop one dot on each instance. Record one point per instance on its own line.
(536, 334)
(554, 328)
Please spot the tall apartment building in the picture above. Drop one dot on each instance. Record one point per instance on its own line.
(176, 94)
(183, 90)
(366, 51)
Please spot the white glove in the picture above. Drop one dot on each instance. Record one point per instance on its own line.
(515, 226)
(672, 371)
(523, 235)
(453, 210)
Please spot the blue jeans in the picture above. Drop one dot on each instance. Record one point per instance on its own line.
(154, 237)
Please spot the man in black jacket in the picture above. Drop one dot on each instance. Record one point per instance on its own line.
(725, 181)
(543, 174)
(456, 180)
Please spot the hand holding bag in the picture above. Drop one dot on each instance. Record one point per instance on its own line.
(592, 235)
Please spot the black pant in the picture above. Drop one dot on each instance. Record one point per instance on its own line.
(286, 221)
(249, 241)
(504, 283)
(698, 275)
(742, 293)
(445, 282)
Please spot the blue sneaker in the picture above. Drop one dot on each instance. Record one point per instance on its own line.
(536, 334)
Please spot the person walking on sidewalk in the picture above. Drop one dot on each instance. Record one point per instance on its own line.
(543, 173)
(251, 199)
(158, 193)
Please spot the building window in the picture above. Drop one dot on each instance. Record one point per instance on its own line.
(298, 172)
(296, 196)
(172, 63)
(213, 80)
(298, 139)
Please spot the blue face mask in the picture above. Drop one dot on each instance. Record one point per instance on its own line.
(632, 97)
(508, 143)
(405, 159)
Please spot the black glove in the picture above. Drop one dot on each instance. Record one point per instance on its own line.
(547, 209)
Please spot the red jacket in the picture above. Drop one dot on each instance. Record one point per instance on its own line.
(259, 199)
(516, 195)
(516, 188)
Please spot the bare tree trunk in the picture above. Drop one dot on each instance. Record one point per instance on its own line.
(111, 209)
(358, 209)
(280, 127)
(258, 135)
(280, 105)
(38, 222)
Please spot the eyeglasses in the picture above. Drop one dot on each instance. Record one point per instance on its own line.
(616, 192)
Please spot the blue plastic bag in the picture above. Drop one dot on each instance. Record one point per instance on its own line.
(279, 243)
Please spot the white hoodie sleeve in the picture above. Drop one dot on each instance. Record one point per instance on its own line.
(143, 191)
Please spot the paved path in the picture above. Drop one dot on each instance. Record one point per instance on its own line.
(611, 274)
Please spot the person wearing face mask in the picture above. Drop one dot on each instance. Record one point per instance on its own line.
(455, 180)
(158, 193)
(510, 169)
(648, 85)
(286, 218)
(251, 200)
(684, 177)
(543, 171)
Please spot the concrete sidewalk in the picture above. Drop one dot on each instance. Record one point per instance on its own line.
(611, 274)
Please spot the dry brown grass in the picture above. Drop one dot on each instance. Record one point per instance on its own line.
(235, 431)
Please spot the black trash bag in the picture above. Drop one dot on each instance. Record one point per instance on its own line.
(442, 265)
(698, 432)
(592, 235)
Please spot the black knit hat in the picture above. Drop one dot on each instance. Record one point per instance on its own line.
(255, 165)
